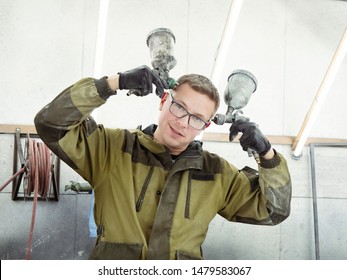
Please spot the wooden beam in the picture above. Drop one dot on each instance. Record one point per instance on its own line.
(227, 36)
(274, 139)
(207, 136)
(323, 91)
(11, 128)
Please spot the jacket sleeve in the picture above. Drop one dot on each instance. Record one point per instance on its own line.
(66, 127)
(260, 197)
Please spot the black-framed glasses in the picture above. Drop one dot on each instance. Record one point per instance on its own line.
(180, 112)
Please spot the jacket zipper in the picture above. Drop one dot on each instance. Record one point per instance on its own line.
(189, 187)
(144, 190)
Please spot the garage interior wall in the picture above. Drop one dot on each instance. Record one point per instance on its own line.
(45, 46)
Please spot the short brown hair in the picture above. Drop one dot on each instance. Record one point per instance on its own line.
(201, 84)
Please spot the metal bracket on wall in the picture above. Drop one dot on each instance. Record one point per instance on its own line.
(24, 164)
(314, 190)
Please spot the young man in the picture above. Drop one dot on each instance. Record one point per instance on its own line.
(157, 190)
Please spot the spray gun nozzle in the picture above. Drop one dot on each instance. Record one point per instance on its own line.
(230, 117)
(220, 119)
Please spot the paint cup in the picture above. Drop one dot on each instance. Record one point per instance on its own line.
(161, 45)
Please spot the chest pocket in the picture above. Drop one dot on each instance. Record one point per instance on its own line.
(199, 192)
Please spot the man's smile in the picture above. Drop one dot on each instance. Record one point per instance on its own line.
(176, 131)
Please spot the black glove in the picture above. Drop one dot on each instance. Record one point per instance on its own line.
(251, 137)
(141, 79)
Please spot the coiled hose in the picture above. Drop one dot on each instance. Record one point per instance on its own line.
(37, 178)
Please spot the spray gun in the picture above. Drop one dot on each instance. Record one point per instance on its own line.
(161, 42)
(241, 85)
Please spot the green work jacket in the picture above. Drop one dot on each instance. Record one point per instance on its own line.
(149, 205)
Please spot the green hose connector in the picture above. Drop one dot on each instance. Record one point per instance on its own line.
(172, 83)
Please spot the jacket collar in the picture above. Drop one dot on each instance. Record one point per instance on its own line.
(193, 149)
(192, 154)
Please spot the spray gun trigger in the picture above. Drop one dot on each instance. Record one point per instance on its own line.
(253, 153)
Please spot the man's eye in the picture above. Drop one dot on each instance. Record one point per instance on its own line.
(181, 108)
(196, 119)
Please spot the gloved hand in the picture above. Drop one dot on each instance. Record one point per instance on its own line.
(251, 137)
(141, 79)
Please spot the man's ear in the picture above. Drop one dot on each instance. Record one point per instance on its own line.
(163, 99)
(207, 125)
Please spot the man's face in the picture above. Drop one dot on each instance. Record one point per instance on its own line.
(174, 132)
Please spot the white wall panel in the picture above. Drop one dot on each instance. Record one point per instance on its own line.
(41, 52)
